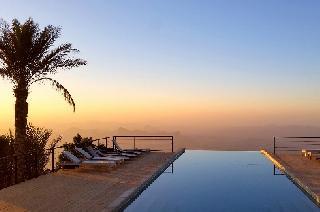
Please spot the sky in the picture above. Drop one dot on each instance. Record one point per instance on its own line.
(178, 65)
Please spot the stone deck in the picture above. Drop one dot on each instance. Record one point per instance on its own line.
(304, 172)
(81, 190)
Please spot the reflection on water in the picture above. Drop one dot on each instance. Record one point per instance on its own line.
(222, 181)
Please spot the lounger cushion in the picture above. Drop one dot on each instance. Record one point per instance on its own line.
(71, 157)
(84, 153)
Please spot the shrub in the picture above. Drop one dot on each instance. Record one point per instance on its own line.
(36, 143)
(35, 158)
(81, 142)
(6, 145)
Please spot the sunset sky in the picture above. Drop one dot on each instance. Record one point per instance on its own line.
(180, 65)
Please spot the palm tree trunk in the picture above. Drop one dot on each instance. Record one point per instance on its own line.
(21, 114)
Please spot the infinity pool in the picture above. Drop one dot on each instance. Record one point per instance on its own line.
(222, 181)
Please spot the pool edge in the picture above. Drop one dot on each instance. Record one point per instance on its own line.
(129, 196)
(313, 196)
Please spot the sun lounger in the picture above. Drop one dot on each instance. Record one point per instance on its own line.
(77, 161)
(120, 150)
(98, 153)
(68, 164)
(310, 152)
(305, 151)
(130, 150)
(314, 155)
(134, 151)
(130, 155)
(89, 157)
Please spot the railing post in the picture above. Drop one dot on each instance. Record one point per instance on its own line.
(172, 144)
(106, 138)
(274, 145)
(113, 140)
(52, 159)
(134, 142)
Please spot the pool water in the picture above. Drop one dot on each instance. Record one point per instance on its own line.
(222, 181)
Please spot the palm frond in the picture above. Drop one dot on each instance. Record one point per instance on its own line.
(67, 96)
(2, 72)
(7, 51)
(56, 59)
(27, 53)
(42, 42)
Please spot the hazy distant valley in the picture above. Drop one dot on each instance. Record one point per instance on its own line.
(226, 138)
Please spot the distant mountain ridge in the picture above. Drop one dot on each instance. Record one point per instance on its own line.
(224, 138)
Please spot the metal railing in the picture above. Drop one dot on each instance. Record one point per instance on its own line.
(276, 171)
(105, 142)
(31, 160)
(52, 154)
(169, 170)
(137, 138)
(295, 144)
(29, 165)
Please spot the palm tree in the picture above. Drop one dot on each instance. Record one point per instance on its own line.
(27, 56)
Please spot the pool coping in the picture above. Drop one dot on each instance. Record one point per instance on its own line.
(130, 195)
(312, 195)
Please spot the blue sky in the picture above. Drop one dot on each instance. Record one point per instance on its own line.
(241, 52)
(251, 37)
